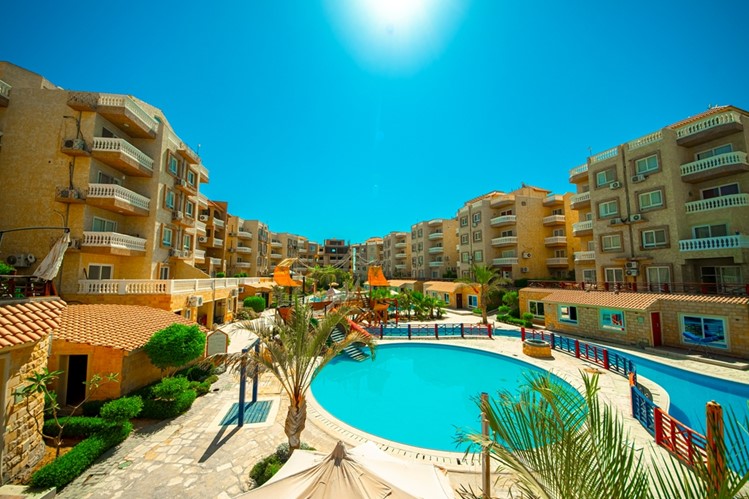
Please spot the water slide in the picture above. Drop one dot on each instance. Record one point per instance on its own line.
(338, 335)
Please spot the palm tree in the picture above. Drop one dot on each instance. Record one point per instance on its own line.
(295, 352)
(488, 282)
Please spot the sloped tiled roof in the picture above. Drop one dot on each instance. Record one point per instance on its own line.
(29, 321)
(124, 327)
(444, 286)
(400, 282)
(632, 301)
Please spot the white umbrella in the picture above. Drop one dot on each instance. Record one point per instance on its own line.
(50, 266)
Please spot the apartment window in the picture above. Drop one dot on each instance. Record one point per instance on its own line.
(657, 276)
(589, 275)
(476, 217)
(446, 298)
(612, 319)
(103, 225)
(705, 231)
(614, 274)
(714, 152)
(589, 215)
(651, 199)
(421, 246)
(656, 238)
(466, 273)
(509, 254)
(465, 257)
(435, 275)
(506, 213)
(611, 242)
(186, 241)
(190, 209)
(464, 221)
(164, 272)
(477, 236)
(646, 165)
(704, 327)
(413, 233)
(421, 232)
(608, 208)
(558, 233)
(605, 177)
(591, 245)
(169, 199)
(558, 211)
(722, 190)
(536, 308)
(478, 256)
(173, 165)
(464, 239)
(97, 271)
(473, 301)
(560, 253)
(167, 235)
(507, 233)
(104, 178)
(725, 279)
(568, 313)
(191, 177)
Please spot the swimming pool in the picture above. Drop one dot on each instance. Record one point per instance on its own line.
(416, 393)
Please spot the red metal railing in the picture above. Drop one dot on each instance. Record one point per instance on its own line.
(679, 439)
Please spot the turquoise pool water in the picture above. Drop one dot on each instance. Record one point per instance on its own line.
(416, 394)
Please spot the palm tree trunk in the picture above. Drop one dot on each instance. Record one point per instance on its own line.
(295, 420)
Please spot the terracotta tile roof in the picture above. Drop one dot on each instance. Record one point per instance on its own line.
(443, 287)
(726, 300)
(124, 327)
(29, 321)
(632, 301)
(711, 111)
(397, 283)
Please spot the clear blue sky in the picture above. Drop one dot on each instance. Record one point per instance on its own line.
(326, 121)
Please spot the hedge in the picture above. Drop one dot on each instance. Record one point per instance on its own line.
(122, 409)
(165, 409)
(76, 426)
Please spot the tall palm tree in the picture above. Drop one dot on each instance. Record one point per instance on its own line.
(487, 281)
(295, 352)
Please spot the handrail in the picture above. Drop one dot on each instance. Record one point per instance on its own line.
(452, 330)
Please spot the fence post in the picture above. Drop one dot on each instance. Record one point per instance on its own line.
(715, 447)
(522, 334)
(436, 332)
(409, 331)
(462, 335)
(489, 330)
(577, 348)
(658, 423)
(381, 330)
(606, 359)
(553, 341)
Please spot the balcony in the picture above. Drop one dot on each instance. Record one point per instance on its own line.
(504, 241)
(504, 220)
(4, 93)
(200, 226)
(243, 234)
(555, 241)
(554, 200)
(645, 141)
(502, 200)
(579, 173)
(203, 174)
(122, 155)
(183, 185)
(400, 266)
(603, 156)
(709, 128)
(719, 203)
(400, 245)
(188, 154)
(557, 262)
(157, 287)
(118, 199)
(505, 262)
(436, 263)
(113, 243)
(585, 256)
(244, 249)
(68, 195)
(199, 255)
(714, 167)
(554, 220)
(712, 244)
(218, 223)
(243, 265)
(180, 218)
(580, 201)
(400, 256)
(215, 261)
(436, 249)
(435, 235)
(582, 228)
(217, 243)
(276, 256)
(127, 115)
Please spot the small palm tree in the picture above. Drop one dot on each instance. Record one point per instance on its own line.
(488, 282)
(295, 352)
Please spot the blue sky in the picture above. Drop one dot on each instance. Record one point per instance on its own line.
(326, 119)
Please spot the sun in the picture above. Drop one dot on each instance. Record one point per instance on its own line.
(397, 13)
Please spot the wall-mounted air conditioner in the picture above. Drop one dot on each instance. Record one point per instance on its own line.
(638, 178)
(616, 221)
(195, 301)
(203, 218)
(635, 217)
(203, 239)
(526, 254)
(20, 260)
(615, 185)
(632, 265)
(177, 215)
(633, 272)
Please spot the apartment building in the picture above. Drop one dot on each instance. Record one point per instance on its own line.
(668, 211)
(214, 243)
(434, 252)
(522, 234)
(365, 254)
(335, 252)
(307, 254)
(396, 254)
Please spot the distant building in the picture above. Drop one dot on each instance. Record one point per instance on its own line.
(433, 249)
(396, 254)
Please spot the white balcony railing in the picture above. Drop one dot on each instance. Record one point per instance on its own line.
(200, 226)
(513, 260)
(400, 245)
(582, 226)
(5, 89)
(714, 243)
(199, 255)
(557, 261)
(217, 222)
(554, 219)
(400, 255)
(276, 244)
(504, 219)
(555, 240)
(243, 264)
(202, 199)
(118, 192)
(707, 123)
(646, 140)
(584, 256)
(157, 287)
(730, 158)
(730, 201)
(244, 249)
(579, 170)
(436, 263)
(504, 241)
(218, 243)
(113, 240)
(276, 255)
(122, 146)
(132, 106)
(601, 156)
(435, 235)
(204, 173)
(400, 266)
(436, 249)
(580, 198)
(214, 261)
(243, 234)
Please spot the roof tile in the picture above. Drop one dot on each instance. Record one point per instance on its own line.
(29, 321)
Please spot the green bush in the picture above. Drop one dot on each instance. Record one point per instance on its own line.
(165, 409)
(220, 274)
(521, 283)
(477, 310)
(6, 269)
(503, 310)
(269, 465)
(170, 388)
(196, 373)
(240, 274)
(92, 407)
(244, 315)
(256, 303)
(508, 319)
(528, 317)
(122, 409)
(76, 426)
(175, 345)
(67, 467)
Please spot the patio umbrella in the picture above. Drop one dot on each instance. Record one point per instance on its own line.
(50, 266)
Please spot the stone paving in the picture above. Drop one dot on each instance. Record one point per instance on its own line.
(192, 456)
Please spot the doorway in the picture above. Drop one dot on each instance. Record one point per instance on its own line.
(75, 387)
(458, 301)
(655, 326)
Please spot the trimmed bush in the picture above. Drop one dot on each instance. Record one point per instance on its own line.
(502, 311)
(76, 426)
(175, 345)
(256, 303)
(165, 409)
(122, 409)
(196, 373)
(92, 407)
(477, 311)
(66, 468)
(527, 317)
(170, 388)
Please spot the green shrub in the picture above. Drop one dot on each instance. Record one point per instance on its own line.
(240, 274)
(196, 373)
(244, 315)
(527, 317)
(170, 388)
(256, 303)
(67, 467)
(220, 274)
(269, 465)
(92, 407)
(521, 283)
(165, 409)
(503, 310)
(6, 269)
(175, 345)
(122, 409)
(76, 426)
(477, 310)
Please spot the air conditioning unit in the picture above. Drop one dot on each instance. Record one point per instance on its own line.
(633, 272)
(78, 144)
(231, 250)
(635, 217)
(177, 215)
(18, 261)
(175, 252)
(179, 182)
(203, 239)
(523, 269)
(235, 292)
(69, 193)
(616, 221)
(638, 178)
(203, 218)
(632, 265)
(526, 255)
(615, 185)
(195, 301)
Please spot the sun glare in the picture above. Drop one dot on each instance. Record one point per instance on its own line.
(396, 12)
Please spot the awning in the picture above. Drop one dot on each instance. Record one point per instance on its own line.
(50, 266)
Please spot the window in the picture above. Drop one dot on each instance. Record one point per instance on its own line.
(477, 236)
(509, 254)
(612, 319)
(166, 236)
(105, 178)
(464, 257)
(169, 199)
(700, 328)
(164, 272)
(611, 242)
(605, 177)
(173, 165)
(478, 256)
(657, 238)
(725, 279)
(97, 271)
(608, 208)
(646, 165)
(103, 225)
(186, 241)
(446, 298)
(505, 213)
(723, 190)
(568, 313)
(714, 152)
(473, 301)
(560, 253)
(705, 231)
(536, 308)
(476, 217)
(464, 239)
(591, 245)
(420, 246)
(650, 200)
(589, 275)
(190, 209)
(464, 221)
(421, 232)
(614, 274)
(657, 277)
(558, 233)
(466, 273)
(191, 177)
(589, 215)
(558, 211)
(507, 233)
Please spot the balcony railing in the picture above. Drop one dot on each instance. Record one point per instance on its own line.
(435, 235)
(505, 241)
(276, 255)
(199, 255)
(200, 226)
(707, 123)
(578, 170)
(203, 174)
(504, 219)
(148, 123)
(244, 249)
(214, 261)
(554, 220)
(436, 263)
(714, 243)
(155, 287)
(646, 140)
(730, 201)
(4, 93)
(557, 262)
(400, 245)
(113, 240)
(553, 200)
(218, 243)
(400, 266)
(436, 249)
(602, 156)
(400, 255)
(502, 200)
(125, 148)
(114, 191)
(217, 222)
(276, 244)
(581, 198)
(583, 226)
(17, 287)
(243, 264)
(713, 163)
(584, 256)
(555, 240)
(243, 234)
(505, 261)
